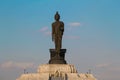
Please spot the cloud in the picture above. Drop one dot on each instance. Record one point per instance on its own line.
(45, 31)
(22, 65)
(74, 24)
(108, 71)
(102, 65)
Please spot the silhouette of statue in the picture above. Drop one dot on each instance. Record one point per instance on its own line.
(57, 32)
(57, 55)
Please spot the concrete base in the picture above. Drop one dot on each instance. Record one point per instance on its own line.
(56, 72)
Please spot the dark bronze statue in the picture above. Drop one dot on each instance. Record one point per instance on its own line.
(57, 32)
(57, 55)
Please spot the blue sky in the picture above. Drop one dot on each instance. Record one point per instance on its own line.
(91, 37)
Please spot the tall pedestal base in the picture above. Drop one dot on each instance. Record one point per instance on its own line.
(57, 58)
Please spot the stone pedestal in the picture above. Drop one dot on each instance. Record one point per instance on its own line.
(52, 68)
(56, 72)
(57, 58)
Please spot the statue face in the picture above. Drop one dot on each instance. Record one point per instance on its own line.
(57, 17)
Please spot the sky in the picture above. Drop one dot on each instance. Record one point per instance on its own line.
(91, 37)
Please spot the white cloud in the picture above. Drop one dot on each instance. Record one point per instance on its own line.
(44, 29)
(22, 65)
(102, 65)
(48, 33)
(115, 68)
(74, 24)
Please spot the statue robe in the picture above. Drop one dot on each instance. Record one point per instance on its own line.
(57, 33)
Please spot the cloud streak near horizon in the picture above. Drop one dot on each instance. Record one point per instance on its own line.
(102, 65)
(74, 24)
(45, 30)
(13, 64)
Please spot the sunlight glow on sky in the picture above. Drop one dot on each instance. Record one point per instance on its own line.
(92, 35)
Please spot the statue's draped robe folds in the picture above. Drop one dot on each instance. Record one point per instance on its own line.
(57, 33)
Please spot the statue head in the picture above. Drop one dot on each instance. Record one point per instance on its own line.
(57, 16)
